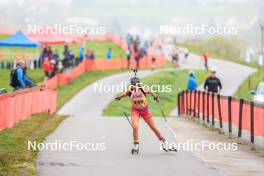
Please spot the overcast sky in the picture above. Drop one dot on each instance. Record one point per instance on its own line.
(133, 15)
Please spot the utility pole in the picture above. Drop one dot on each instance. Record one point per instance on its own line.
(262, 40)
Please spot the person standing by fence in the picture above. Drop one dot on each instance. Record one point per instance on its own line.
(192, 83)
(213, 84)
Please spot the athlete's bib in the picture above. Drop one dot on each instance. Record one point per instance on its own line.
(139, 100)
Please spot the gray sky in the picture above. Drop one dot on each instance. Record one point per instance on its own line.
(134, 15)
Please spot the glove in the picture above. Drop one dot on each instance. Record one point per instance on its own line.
(156, 98)
(117, 98)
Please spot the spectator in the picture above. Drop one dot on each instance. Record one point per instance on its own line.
(136, 43)
(205, 57)
(145, 49)
(50, 53)
(128, 58)
(22, 79)
(81, 54)
(175, 57)
(60, 67)
(89, 55)
(137, 57)
(92, 57)
(56, 56)
(43, 55)
(213, 84)
(186, 53)
(192, 83)
(52, 68)
(109, 54)
(46, 68)
(72, 59)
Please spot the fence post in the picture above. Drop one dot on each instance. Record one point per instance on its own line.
(207, 107)
(229, 117)
(194, 106)
(241, 102)
(179, 104)
(213, 113)
(183, 102)
(198, 113)
(252, 125)
(203, 106)
(190, 104)
(220, 113)
(187, 104)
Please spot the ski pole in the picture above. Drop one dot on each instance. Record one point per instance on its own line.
(162, 112)
(128, 119)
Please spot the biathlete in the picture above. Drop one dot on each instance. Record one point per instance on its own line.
(140, 109)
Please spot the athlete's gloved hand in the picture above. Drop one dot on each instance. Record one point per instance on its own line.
(157, 99)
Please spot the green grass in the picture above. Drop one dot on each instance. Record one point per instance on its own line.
(177, 80)
(99, 48)
(15, 159)
(68, 91)
(249, 84)
(35, 75)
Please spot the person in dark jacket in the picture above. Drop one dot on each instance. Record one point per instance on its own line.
(213, 84)
(192, 83)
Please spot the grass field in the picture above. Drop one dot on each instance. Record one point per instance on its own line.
(99, 48)
(15, 159)
(177, 80)
(249, 84)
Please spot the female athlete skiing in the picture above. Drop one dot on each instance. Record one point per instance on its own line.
(140, 109)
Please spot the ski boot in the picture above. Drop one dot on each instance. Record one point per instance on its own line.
(135, 149)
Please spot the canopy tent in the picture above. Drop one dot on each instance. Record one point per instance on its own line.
(52, 39)
(19, 39)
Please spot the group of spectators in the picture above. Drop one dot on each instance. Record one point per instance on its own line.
(136, 48)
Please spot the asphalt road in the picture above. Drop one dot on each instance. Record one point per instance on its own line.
(87, 125)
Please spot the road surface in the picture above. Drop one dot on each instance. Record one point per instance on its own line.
(87, 125)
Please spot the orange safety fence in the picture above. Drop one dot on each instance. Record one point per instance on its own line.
(20, 105)
(244, 115)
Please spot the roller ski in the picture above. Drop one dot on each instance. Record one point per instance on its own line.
(135, 149)
(165, 146)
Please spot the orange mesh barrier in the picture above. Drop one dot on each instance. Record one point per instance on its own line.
(18, 106)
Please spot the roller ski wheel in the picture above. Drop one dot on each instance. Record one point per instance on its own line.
(165, 146)
(135, 149)
(134, 152)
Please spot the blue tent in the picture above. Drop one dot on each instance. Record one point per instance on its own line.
(19, 39)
